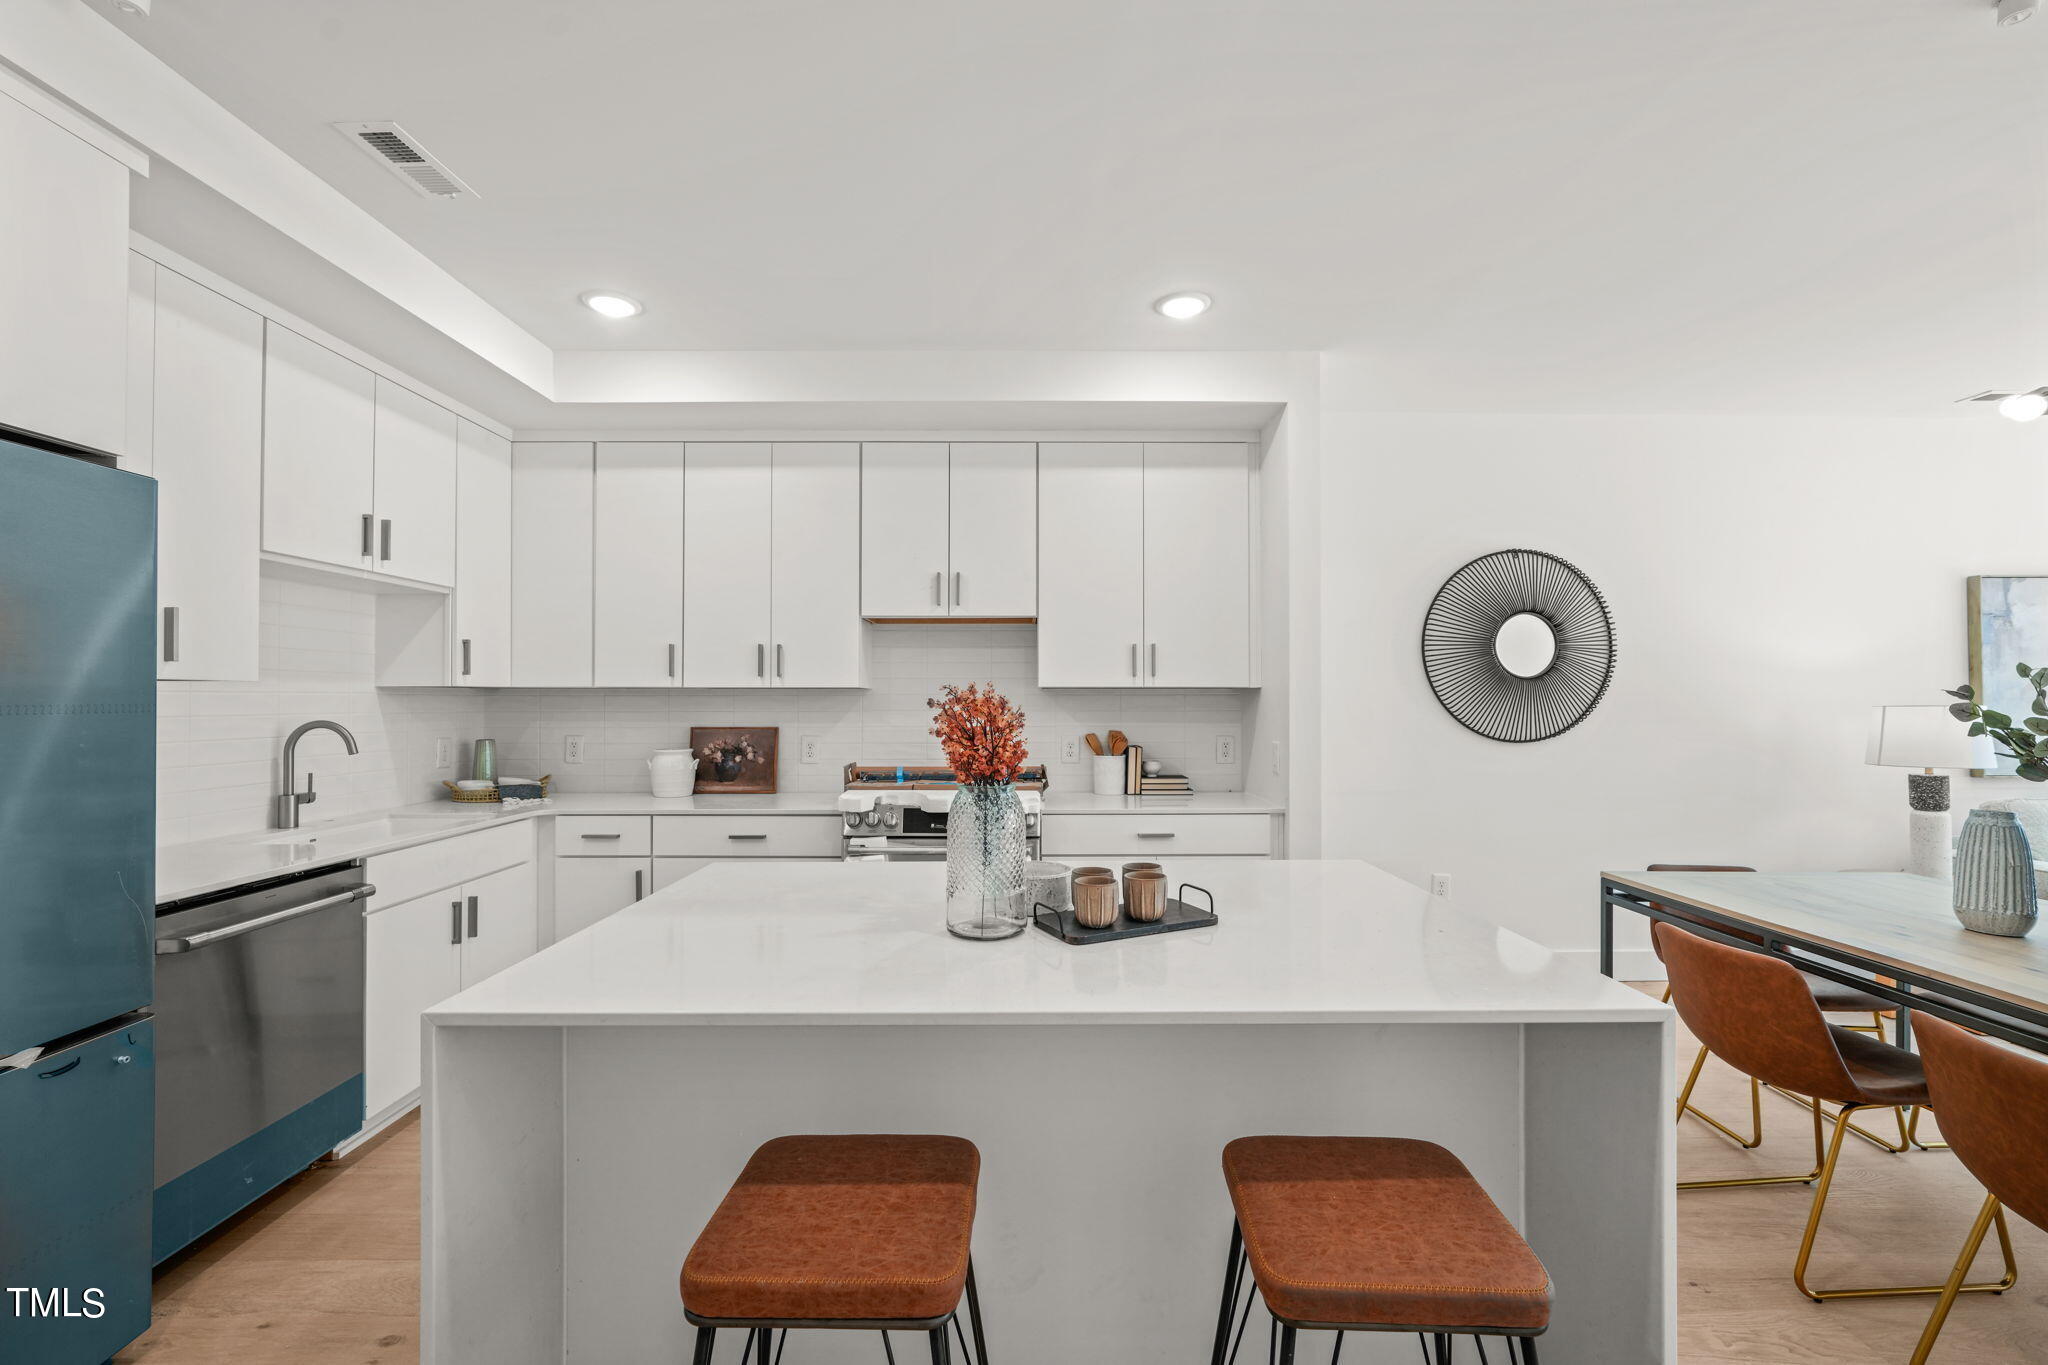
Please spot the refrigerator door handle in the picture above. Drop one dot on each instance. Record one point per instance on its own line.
(189, 942)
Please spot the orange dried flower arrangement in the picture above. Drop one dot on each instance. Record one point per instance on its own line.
(981, 732)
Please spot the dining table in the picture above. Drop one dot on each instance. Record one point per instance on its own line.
(1891, 934)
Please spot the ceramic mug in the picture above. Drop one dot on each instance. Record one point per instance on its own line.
(1095, 901)
(1145, 895)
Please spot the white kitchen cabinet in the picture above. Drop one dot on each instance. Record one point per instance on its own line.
(726, 559)
(818, 639)
(552, 491)
(412, 962)
(949, 531)
(904, 512)
(1198, 571)
(200, 403)
(63, 282)
(1144, 565)
(994, 536)
(319, 449)
(413, 486)
(1091, 564)
(501, 922)
(138, 455)
(483, 558)
(589, 889)
(637, 564)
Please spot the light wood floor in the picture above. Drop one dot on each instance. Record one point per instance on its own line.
(326, 1270)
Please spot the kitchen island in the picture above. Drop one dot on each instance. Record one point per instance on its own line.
(587, 1108)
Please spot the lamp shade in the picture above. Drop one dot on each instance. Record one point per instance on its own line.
(1922, 737)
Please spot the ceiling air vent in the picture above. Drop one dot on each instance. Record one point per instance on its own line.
(397, 151)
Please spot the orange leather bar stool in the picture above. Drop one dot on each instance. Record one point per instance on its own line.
(1755, 1013)
(1363, 1234)
(1831, 996)
(1994, 1109)
(860, 1232)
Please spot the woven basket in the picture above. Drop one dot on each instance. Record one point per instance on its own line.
(486, 794)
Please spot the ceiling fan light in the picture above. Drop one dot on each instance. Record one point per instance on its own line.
(2024, 407)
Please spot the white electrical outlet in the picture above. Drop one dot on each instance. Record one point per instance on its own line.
(1070, 752)
(572, 748)
(444, 753)
(1440, 885)
(1226, 748)
(807, 749)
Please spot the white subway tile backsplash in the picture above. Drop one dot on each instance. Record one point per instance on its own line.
(218, 743)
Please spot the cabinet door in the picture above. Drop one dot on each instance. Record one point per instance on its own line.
(903, 515)
(483, 558)
(1197, 565)
(819, 638)
(501, 922)
(588, 889)
(207, 435)
(1091, 563)
(637, 565)
(551, 509)
(993, 512)
(415, 485)
(726, 564)
(137, 452)
(412, 962)
(319, 439)
(63, 283)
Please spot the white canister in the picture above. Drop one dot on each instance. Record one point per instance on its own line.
(672, 772)
(1109, 774)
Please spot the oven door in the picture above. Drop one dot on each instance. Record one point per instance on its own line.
(898, 848)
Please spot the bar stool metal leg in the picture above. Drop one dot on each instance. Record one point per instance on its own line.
(942, 1346)
(1228, 1309)
(1286, 1345)
(1528, 1351)
(974, 1316)
(702, 1354)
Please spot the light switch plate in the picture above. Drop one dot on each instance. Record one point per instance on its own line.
(807, 749)
(572, 748)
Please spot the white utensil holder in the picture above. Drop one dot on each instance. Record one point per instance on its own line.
(1108, 772)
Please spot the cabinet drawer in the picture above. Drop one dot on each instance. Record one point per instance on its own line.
(747, 836)
(415, 871)
(1165, 833)
(601, 836)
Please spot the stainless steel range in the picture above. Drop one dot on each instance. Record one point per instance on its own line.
(898, 814)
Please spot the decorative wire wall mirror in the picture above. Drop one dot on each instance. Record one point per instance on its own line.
(1518, 646)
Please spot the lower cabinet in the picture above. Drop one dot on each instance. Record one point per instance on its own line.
(603, 863)
(421, 951)
(588, 889)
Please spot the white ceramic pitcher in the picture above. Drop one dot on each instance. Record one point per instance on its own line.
(672, 772)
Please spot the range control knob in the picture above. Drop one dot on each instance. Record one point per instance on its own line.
(889, 817)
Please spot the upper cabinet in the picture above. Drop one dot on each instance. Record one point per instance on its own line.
(483, 558)
(200, 409)
(319, 452)
(552, 489)
(64, 297)
(358, 472)
(949, 531)
(769, 534)
(637, 565)
(1144, 565)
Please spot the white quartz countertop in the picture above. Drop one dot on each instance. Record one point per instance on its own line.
(866, 943)
(195, 869)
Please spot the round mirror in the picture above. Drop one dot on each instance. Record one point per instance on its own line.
(1525, 645)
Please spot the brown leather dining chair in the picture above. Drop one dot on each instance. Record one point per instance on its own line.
(1993, 1104)
(1831, 996)
(1755, 1013)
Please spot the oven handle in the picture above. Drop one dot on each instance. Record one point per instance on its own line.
(359, 892)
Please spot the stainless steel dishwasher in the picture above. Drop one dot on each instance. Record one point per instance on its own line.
(259, 1031)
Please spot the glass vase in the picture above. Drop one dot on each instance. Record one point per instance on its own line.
(985, 862)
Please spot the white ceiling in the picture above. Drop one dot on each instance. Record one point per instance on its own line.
(1623, 204)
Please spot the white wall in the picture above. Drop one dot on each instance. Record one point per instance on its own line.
(887, 723)
(1770, 578)
(218, 743)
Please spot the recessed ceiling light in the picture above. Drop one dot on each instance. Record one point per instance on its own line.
(1181, 307)
(2024, 407)
(2012, 12)
(611, 305)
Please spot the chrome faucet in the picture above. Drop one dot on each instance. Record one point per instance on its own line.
(288, 804)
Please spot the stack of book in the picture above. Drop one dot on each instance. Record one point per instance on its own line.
(1163, 784)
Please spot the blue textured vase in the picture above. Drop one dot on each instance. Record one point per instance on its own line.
(1994, 877)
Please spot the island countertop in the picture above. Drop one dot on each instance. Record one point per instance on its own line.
(865, 943)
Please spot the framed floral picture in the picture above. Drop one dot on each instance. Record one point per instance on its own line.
(734, 759)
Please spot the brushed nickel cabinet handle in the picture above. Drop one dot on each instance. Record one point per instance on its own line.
(599, 836)
(1155, 661)
(369, 535)
(760, 661)
(1154, 836)
(778, 661)
(671, 661)
(639, 883)
(938, 588)
(743, 837)
(455, 922)
(958, 579)
(170, 635)
(472, 916)
(384, 540)
(465, 658)
(1134, 661)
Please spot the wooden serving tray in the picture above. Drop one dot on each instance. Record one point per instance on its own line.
(1062, 925)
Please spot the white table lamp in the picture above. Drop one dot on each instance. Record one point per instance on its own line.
(1927, 738)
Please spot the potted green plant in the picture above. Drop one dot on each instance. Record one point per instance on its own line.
(2025, 741)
